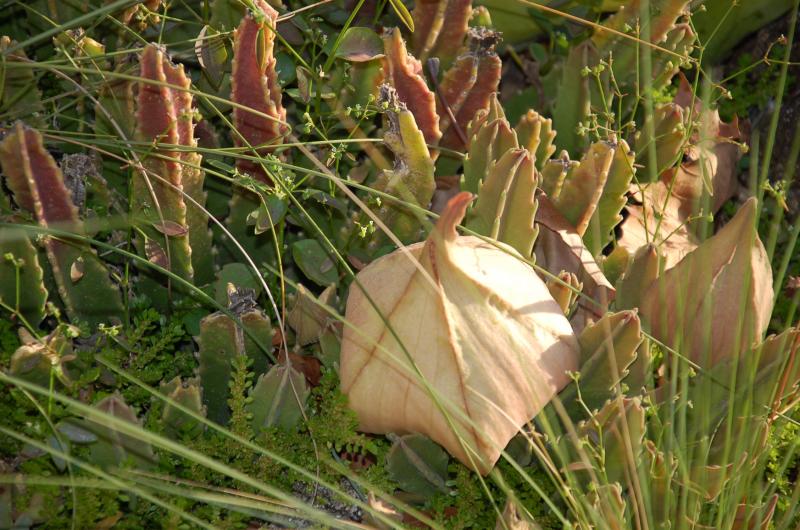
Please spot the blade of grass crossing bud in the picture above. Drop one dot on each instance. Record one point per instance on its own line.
(114, 448)
(278, 398)
(188, 393)
(439, 29)
(38, 187)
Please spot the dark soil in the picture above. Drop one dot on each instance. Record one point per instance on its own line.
(751, 50)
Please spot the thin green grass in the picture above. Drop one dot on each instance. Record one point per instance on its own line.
(571, 504)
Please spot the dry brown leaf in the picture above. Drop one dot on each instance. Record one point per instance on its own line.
(755, 517)
(305, 364)
(155, 254)
(716, 302)
(655, 217)
(662, 212)
(479, 325)
(379, 506)
(511, 519)
(171, 228)
(308, 316)
(560, 248)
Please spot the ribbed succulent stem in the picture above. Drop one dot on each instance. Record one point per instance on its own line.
(259, 121)
(506, 205)
(535, 133)
(468, 85)
(584, 186)
(404, 73)
(178, 424)
(490, 137)
(192, 175)
(411, 179)
(254, 86)
(22, 287)
(19, 96)
(439, 29)
(278, 398)
(158, 205)
(574, 102)
(38, 187)
(221, 341)
(606, 216)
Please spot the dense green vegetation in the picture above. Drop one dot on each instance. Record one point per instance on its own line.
(197, 196)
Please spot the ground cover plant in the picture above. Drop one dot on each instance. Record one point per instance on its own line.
(385, 264)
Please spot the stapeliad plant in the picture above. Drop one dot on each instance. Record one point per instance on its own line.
(369, 264)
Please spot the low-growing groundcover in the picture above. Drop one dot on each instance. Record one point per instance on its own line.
(394, 264)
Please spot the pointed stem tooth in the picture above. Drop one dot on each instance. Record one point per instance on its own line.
(535, 133)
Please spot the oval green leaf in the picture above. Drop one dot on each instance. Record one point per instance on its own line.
(314, 262)
(359, 45)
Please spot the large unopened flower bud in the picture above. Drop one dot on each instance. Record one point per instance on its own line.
(464, 343)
